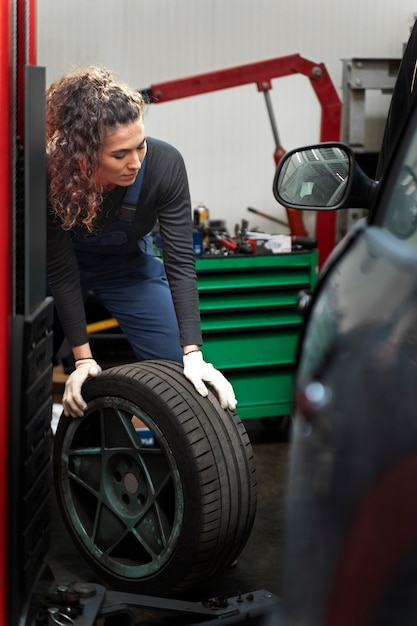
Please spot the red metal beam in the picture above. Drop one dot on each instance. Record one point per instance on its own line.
(261, 73)
(5, 279)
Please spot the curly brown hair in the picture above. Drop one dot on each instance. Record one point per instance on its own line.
(80, 107)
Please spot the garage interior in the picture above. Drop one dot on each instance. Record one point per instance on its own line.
(250, 303)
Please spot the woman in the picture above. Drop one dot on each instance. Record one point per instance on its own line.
(98, 237)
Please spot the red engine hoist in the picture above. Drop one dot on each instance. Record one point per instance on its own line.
(261, 73)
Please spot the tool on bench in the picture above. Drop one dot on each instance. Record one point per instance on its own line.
(244, 246)
(226, 242)
(303, 242)
(297, 241)
(239, 245)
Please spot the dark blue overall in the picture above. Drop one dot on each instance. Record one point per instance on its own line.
(129, 279)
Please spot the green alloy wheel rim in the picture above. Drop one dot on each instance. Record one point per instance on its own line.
(124, 497)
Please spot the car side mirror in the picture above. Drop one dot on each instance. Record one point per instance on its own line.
(322, 176)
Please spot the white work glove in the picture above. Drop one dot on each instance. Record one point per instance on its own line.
(197, 371)
(72, 400)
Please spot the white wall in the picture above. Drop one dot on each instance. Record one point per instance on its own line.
(225, 137)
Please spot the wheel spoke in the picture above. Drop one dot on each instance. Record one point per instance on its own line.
(84, 468)
(153, 528)
(123, 492)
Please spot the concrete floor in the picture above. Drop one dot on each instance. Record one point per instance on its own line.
(259, 565)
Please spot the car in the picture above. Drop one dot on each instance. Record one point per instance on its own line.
(351, 540)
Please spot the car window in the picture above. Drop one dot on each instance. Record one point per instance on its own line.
(400, 214)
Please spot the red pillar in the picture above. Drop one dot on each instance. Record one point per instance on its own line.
(5, 276)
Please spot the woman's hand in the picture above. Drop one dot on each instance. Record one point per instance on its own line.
(197, 371)
(72, 400)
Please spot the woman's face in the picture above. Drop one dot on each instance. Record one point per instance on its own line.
(121, 154)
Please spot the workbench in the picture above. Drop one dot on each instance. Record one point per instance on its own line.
(251, 326)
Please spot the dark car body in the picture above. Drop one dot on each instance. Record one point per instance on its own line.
(351, 557)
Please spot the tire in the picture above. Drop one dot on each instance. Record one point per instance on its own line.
(162, 518)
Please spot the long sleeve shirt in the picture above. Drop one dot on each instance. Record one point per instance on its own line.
(165, 199)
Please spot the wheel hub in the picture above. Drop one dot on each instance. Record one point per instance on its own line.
(125, 485)
(131, 483)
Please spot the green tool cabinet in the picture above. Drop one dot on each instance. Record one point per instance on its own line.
(251, 327)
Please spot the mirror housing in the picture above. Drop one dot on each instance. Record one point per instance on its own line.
(322, 176)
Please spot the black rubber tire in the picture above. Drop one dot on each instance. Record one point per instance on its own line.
(157, 519)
